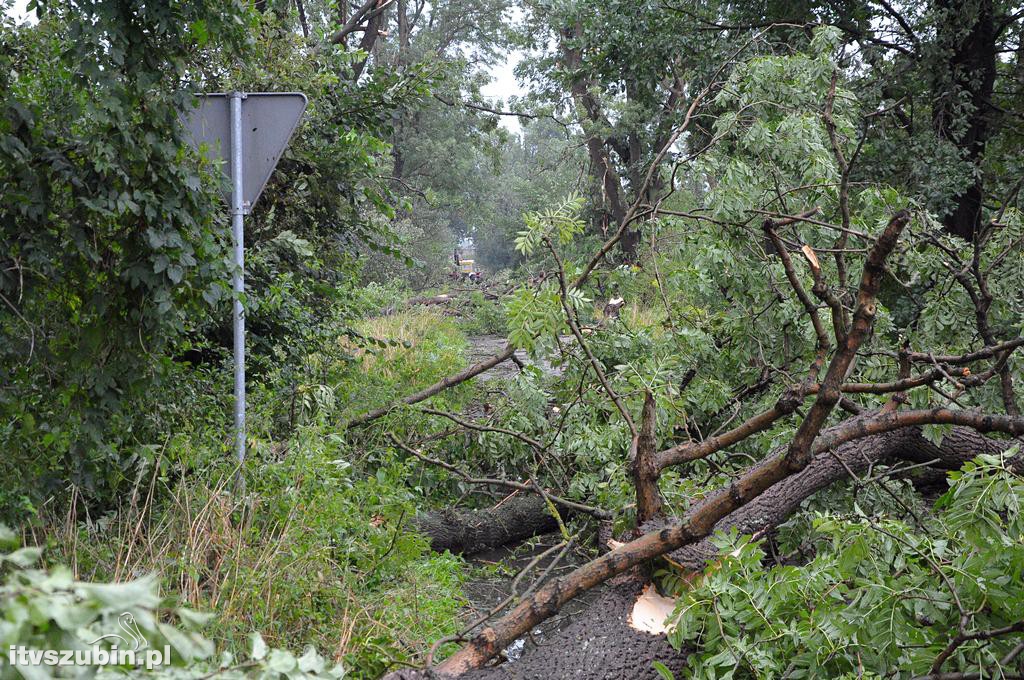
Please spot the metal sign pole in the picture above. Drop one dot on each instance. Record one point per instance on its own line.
(215, 127)
(238, 277)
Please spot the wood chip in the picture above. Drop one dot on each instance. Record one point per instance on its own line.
(811, 257)
(651, 611)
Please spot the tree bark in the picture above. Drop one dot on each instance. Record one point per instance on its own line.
(602, 169)
(778, 503)
(643, 465)
(971, 53)
(303, 21)
(472, 531)
(371, 32)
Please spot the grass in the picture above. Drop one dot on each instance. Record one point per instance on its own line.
(416, 332)
(314, 552)
(422, 347)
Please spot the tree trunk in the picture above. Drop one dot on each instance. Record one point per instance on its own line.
(629, 244)
(611, 199)
(368, 43)
(643, 466)
(471, 531)
(777, 504)
(303, 21)
(427, 301)
(970, 57)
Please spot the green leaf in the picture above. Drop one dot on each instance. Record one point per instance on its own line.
(663, 672)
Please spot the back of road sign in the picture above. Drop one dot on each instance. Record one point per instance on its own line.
(268, 121)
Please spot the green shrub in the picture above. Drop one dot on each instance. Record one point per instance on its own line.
(483, 316)
(49, 610)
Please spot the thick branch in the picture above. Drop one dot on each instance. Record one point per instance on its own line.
(860, 327)
(643, 465)
(441, 385)
(690, 451)
(701, 520)
(961, 359)
(364, 14)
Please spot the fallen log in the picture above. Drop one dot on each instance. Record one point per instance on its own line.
(471, 531)
(431, 300)
(590, 648)
(778, 503)
(426, 301)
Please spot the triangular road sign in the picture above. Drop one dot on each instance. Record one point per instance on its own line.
(262, 122)
(268, 121)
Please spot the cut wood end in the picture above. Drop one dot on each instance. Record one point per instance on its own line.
(613, 544)
(651, 611)
(811, 257)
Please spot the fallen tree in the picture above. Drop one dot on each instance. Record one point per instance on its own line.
(471, 531)
(601, 642)
(700, 522)
(768, 492)
(823, 448)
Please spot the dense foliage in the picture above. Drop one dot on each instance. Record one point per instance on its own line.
(673, 236)
(879, 594)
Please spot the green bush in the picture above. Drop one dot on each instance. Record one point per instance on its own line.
(483, 317)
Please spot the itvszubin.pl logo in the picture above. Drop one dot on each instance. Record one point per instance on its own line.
(128, 648)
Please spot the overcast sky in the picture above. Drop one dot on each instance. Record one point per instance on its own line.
(504, 86)
(18, 11)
